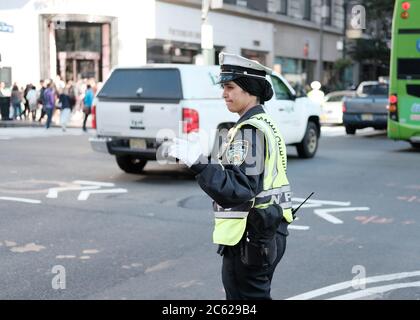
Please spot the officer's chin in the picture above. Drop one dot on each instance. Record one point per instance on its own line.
(230, 106)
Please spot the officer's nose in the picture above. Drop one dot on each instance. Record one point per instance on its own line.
(224, 93)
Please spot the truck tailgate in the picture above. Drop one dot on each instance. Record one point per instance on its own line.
(136, 119)
(367, 105)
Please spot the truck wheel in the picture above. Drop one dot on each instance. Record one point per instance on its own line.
(307, 148)
(130, 164)
(350, 130)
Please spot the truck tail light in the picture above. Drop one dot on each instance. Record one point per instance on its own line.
(190, 120)
(93, 113)
(393, 107)
(344, 107)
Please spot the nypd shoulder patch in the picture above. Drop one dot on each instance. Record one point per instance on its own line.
(237, 152)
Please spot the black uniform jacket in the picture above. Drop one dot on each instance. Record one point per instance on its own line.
(239, 176)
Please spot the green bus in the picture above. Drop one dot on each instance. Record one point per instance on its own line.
(404, 86)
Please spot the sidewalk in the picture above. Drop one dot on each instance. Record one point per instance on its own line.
(76, 121)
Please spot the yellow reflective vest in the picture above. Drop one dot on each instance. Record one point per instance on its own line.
(230, 224)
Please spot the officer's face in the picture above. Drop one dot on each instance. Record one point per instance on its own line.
(237, 100)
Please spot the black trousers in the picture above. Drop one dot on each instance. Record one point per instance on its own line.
(242, 282)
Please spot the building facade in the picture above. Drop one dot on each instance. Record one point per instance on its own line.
(87, 38)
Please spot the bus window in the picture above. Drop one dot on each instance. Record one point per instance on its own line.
(408, 68)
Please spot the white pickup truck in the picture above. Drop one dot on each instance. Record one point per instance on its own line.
(136, 105)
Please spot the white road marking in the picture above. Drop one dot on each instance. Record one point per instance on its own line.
(325, 213)
(84, 195)
(65, 256)
(28, 248)
(298, 227)
(90, 251)
(348, 284)
(20, 200)
(94, 183)
(375, 290)
(310, 205)
(326, 202)
(53, 192)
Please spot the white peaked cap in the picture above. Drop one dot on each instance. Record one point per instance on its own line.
(236, 60)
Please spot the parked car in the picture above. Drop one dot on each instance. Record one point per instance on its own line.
(368, 108)
(332, 107)
(136, 105)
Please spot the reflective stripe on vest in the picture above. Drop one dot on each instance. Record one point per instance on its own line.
(281, 196)
(230, 224)
(240, 211)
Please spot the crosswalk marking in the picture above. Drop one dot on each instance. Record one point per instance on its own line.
(20, 200)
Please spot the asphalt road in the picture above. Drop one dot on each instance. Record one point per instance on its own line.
(68, 214)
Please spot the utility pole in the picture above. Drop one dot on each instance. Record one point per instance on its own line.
(207, 48)
(345, 2)
(324, 15)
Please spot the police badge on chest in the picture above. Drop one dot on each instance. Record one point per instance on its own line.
(237, 151)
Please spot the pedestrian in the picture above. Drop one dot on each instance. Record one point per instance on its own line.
(49, 99)
(25, 113)
(247, 181)
(16, 101)
(2, 89)
(316, 94)
(87, 104)
(64, 102)
(32, 99)
(41, 99)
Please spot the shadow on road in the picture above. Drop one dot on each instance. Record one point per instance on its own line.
(407, 150)
(153, 173)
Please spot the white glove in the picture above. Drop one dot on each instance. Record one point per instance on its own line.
(188, 151)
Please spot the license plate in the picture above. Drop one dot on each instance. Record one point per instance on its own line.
(367, 117)
(137, 144)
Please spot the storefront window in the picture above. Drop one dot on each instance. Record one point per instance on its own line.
(167, 51)
(297, 71)
(260, 56)
(258, 5)
(289, 65)
(80, 50)
(79, 37)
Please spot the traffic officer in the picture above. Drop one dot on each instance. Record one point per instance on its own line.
(248, 183)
